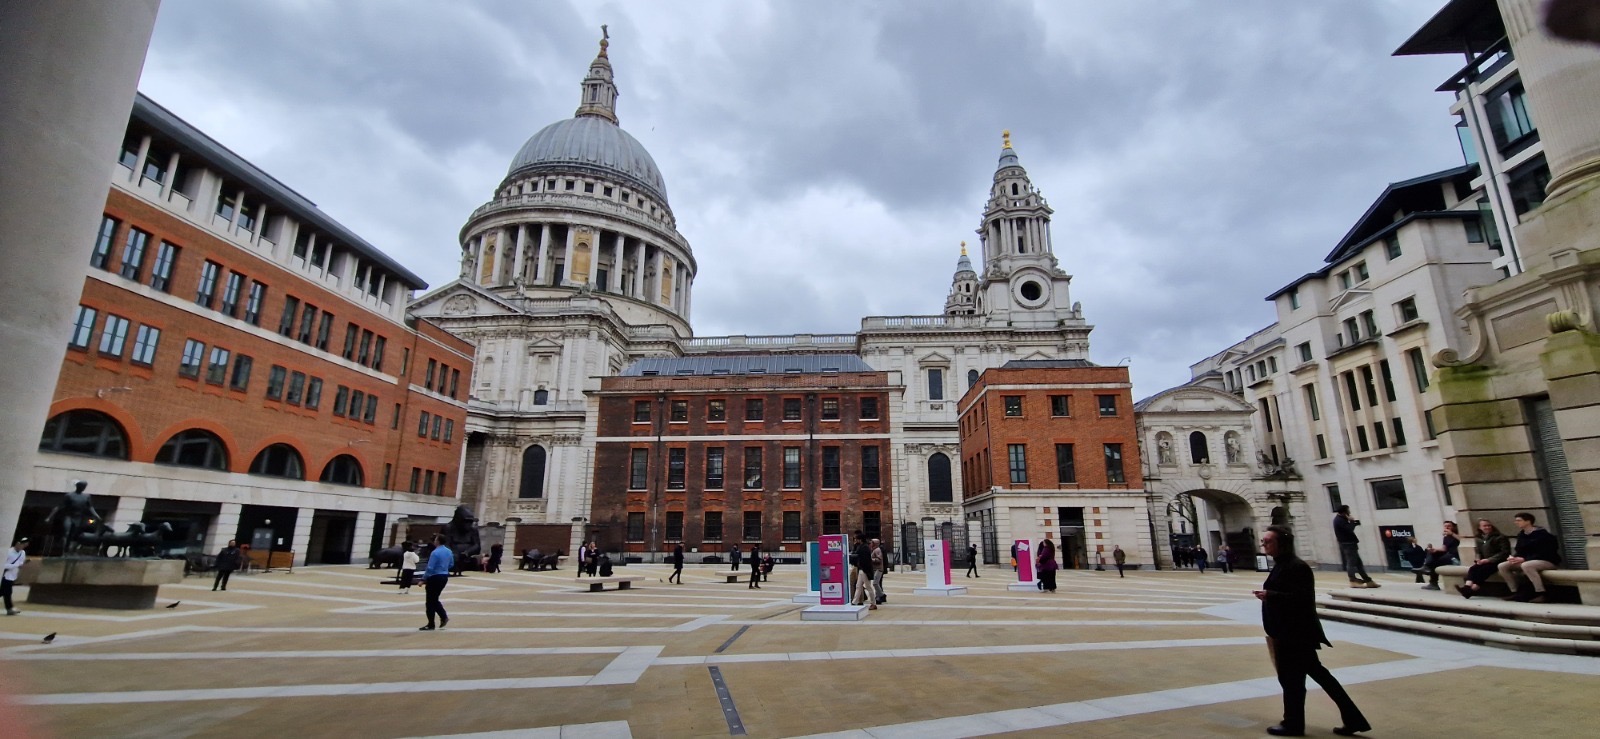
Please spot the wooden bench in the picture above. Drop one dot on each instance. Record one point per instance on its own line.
(1586, 582)
(733, 575)
(597, 584)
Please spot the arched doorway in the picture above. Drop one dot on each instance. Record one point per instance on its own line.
(1211, 519)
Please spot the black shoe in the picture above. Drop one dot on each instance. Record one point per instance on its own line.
(429, 627)
(1351, 730)
(1466, 592)
(1281, 730)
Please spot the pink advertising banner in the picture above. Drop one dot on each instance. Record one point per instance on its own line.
(1024, 561)
(834, 569)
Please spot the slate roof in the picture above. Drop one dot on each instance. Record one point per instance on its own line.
(747, 364)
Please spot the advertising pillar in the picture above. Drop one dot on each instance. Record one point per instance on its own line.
(936, 561)
(833, 572)
(813, 595)
(1025, 575)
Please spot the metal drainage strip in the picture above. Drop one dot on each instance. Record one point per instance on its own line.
(729, 712)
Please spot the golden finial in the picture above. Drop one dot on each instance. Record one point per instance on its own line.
(963, 248)
(605, 39)
(1005, 137)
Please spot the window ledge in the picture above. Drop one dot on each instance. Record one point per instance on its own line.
(1304, 367)
(1263, 381)
(1407, 327)
(1347, 348)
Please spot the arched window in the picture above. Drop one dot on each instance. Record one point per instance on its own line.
(939, 489)
(972, 378)
(1199, 451)
(84, 432)
(343, 470)
(532, 473)
(194, 448)
(279, 460)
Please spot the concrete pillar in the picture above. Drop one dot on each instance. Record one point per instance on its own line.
(224, 527)
(359, 548)
(138, 162)
(301, 544)
(539, 266)
(566, 265)
(130, 509)
(522, 248)
(63, 119)
(166, 179)
(1561, 78)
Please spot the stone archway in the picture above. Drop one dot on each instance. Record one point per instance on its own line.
(1179, 514)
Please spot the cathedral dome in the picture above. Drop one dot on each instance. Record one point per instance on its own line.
(594, 144)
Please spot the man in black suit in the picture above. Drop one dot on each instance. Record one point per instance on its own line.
(1294, 634)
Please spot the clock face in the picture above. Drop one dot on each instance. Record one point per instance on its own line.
(1030, 291)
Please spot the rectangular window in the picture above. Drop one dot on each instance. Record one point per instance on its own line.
(1017, 454)
(82, 327)
(1344, 280)
(449, 430)
(752, 468)
(830, 467)
(935, 383)
(636, 526)
(427, 482)
(1294, 298)
(438, 427)
(1371, 384)
(830, 409)
(231, 291)
(1444, 487)
(252, 306)
(638, 469)
(869, 468)
(791, 409)
(313, 393)
(1333, 496)
(357, 399)
(674, 525)
(1352, 330)
(241, 372)
(830, 523)
(291, 305)
(371, 416)
(308, 323)
(217, 368)
(791, 467)
(144, 345)
(1361, 439)
(1322, 447)
(1509, 122)
(752, 526)
(133, 253)
(433, 368)
(1369, 323)
(166, 259)
(1304, 350)
(207, 292)
(1388, 380)
(297, 387)
(455, 378)
(714, 467)
(366, 347)
(1381, 435)
(679, 411)
(791, 526)
(1399, 432)
(1066, 468)
(101, 257)
(1419, 369)
(1114, 464)
(716, 410)
(675, 468)
(113, 336)
(872, 524)
(1013, 404)
(341, 402)
(1266, 414)
(275, 377)
(869, 409)
(641, 408)
(1388, 495)
(1108, 405)
(350, 333)
(416, 478)
(444, 371)
(1391, 246)
(1312, 406)
(713, 527)
(1408, 310)
(1350, 391)
(1360, 271)
(324, 328)
(1060, 405)
(754, 409)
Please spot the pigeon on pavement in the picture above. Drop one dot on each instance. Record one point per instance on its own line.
(175, 604)
(50, 637)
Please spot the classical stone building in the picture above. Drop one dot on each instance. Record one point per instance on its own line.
(575, 270)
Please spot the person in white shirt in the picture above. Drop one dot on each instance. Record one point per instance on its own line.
(15, 556)
(408, 567)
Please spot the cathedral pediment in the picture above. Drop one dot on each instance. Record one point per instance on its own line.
(460, 300)
(1191, 399)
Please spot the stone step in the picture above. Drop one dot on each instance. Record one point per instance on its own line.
(1482, 621)
(1450, 602)
(1517, 642)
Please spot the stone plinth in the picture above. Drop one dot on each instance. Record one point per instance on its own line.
(941, 590)
(834, 613)
(810, 598)
(1023, 587)
(123, 584)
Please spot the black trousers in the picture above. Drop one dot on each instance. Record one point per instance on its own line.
(972, 568)
(1047, 579)
(434, 585)
(1480, 573)
(1119, 570)
(755, 577)
(405, 578)
(5, 591)
(222, 579)
(677, 574)
(1295, 663)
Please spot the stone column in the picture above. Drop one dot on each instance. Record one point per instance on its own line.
(1561, 78)
(130, 509)
(638, 269)
(224, 527)
(63, 120)
(359, 547)
(301, 543)
(522, 249)
(616, 265)
(566, 265)
(1571, 363)
(166, 179)
(138, 162)
(539, 267)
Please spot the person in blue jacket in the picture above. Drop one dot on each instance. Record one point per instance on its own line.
(434, 578)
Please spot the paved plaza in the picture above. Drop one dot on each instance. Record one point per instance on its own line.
(328, 651)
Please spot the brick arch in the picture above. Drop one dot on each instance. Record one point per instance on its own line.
(314, 469)
(130, 428)
(246, 458)
(229, 442)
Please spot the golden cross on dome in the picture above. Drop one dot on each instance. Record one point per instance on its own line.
(1005, 137)
(963, 248)
(605, 39)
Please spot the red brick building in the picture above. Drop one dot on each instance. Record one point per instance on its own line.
(1050, 448)
(242, 366)
(719, 452)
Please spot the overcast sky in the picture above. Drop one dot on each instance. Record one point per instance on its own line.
(826, 159)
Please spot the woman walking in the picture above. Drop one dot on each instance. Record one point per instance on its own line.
(1047, 565)
(408, 567)
(677, 565)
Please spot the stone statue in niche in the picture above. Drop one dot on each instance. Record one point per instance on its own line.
(1164, 450)
(1233, 449)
